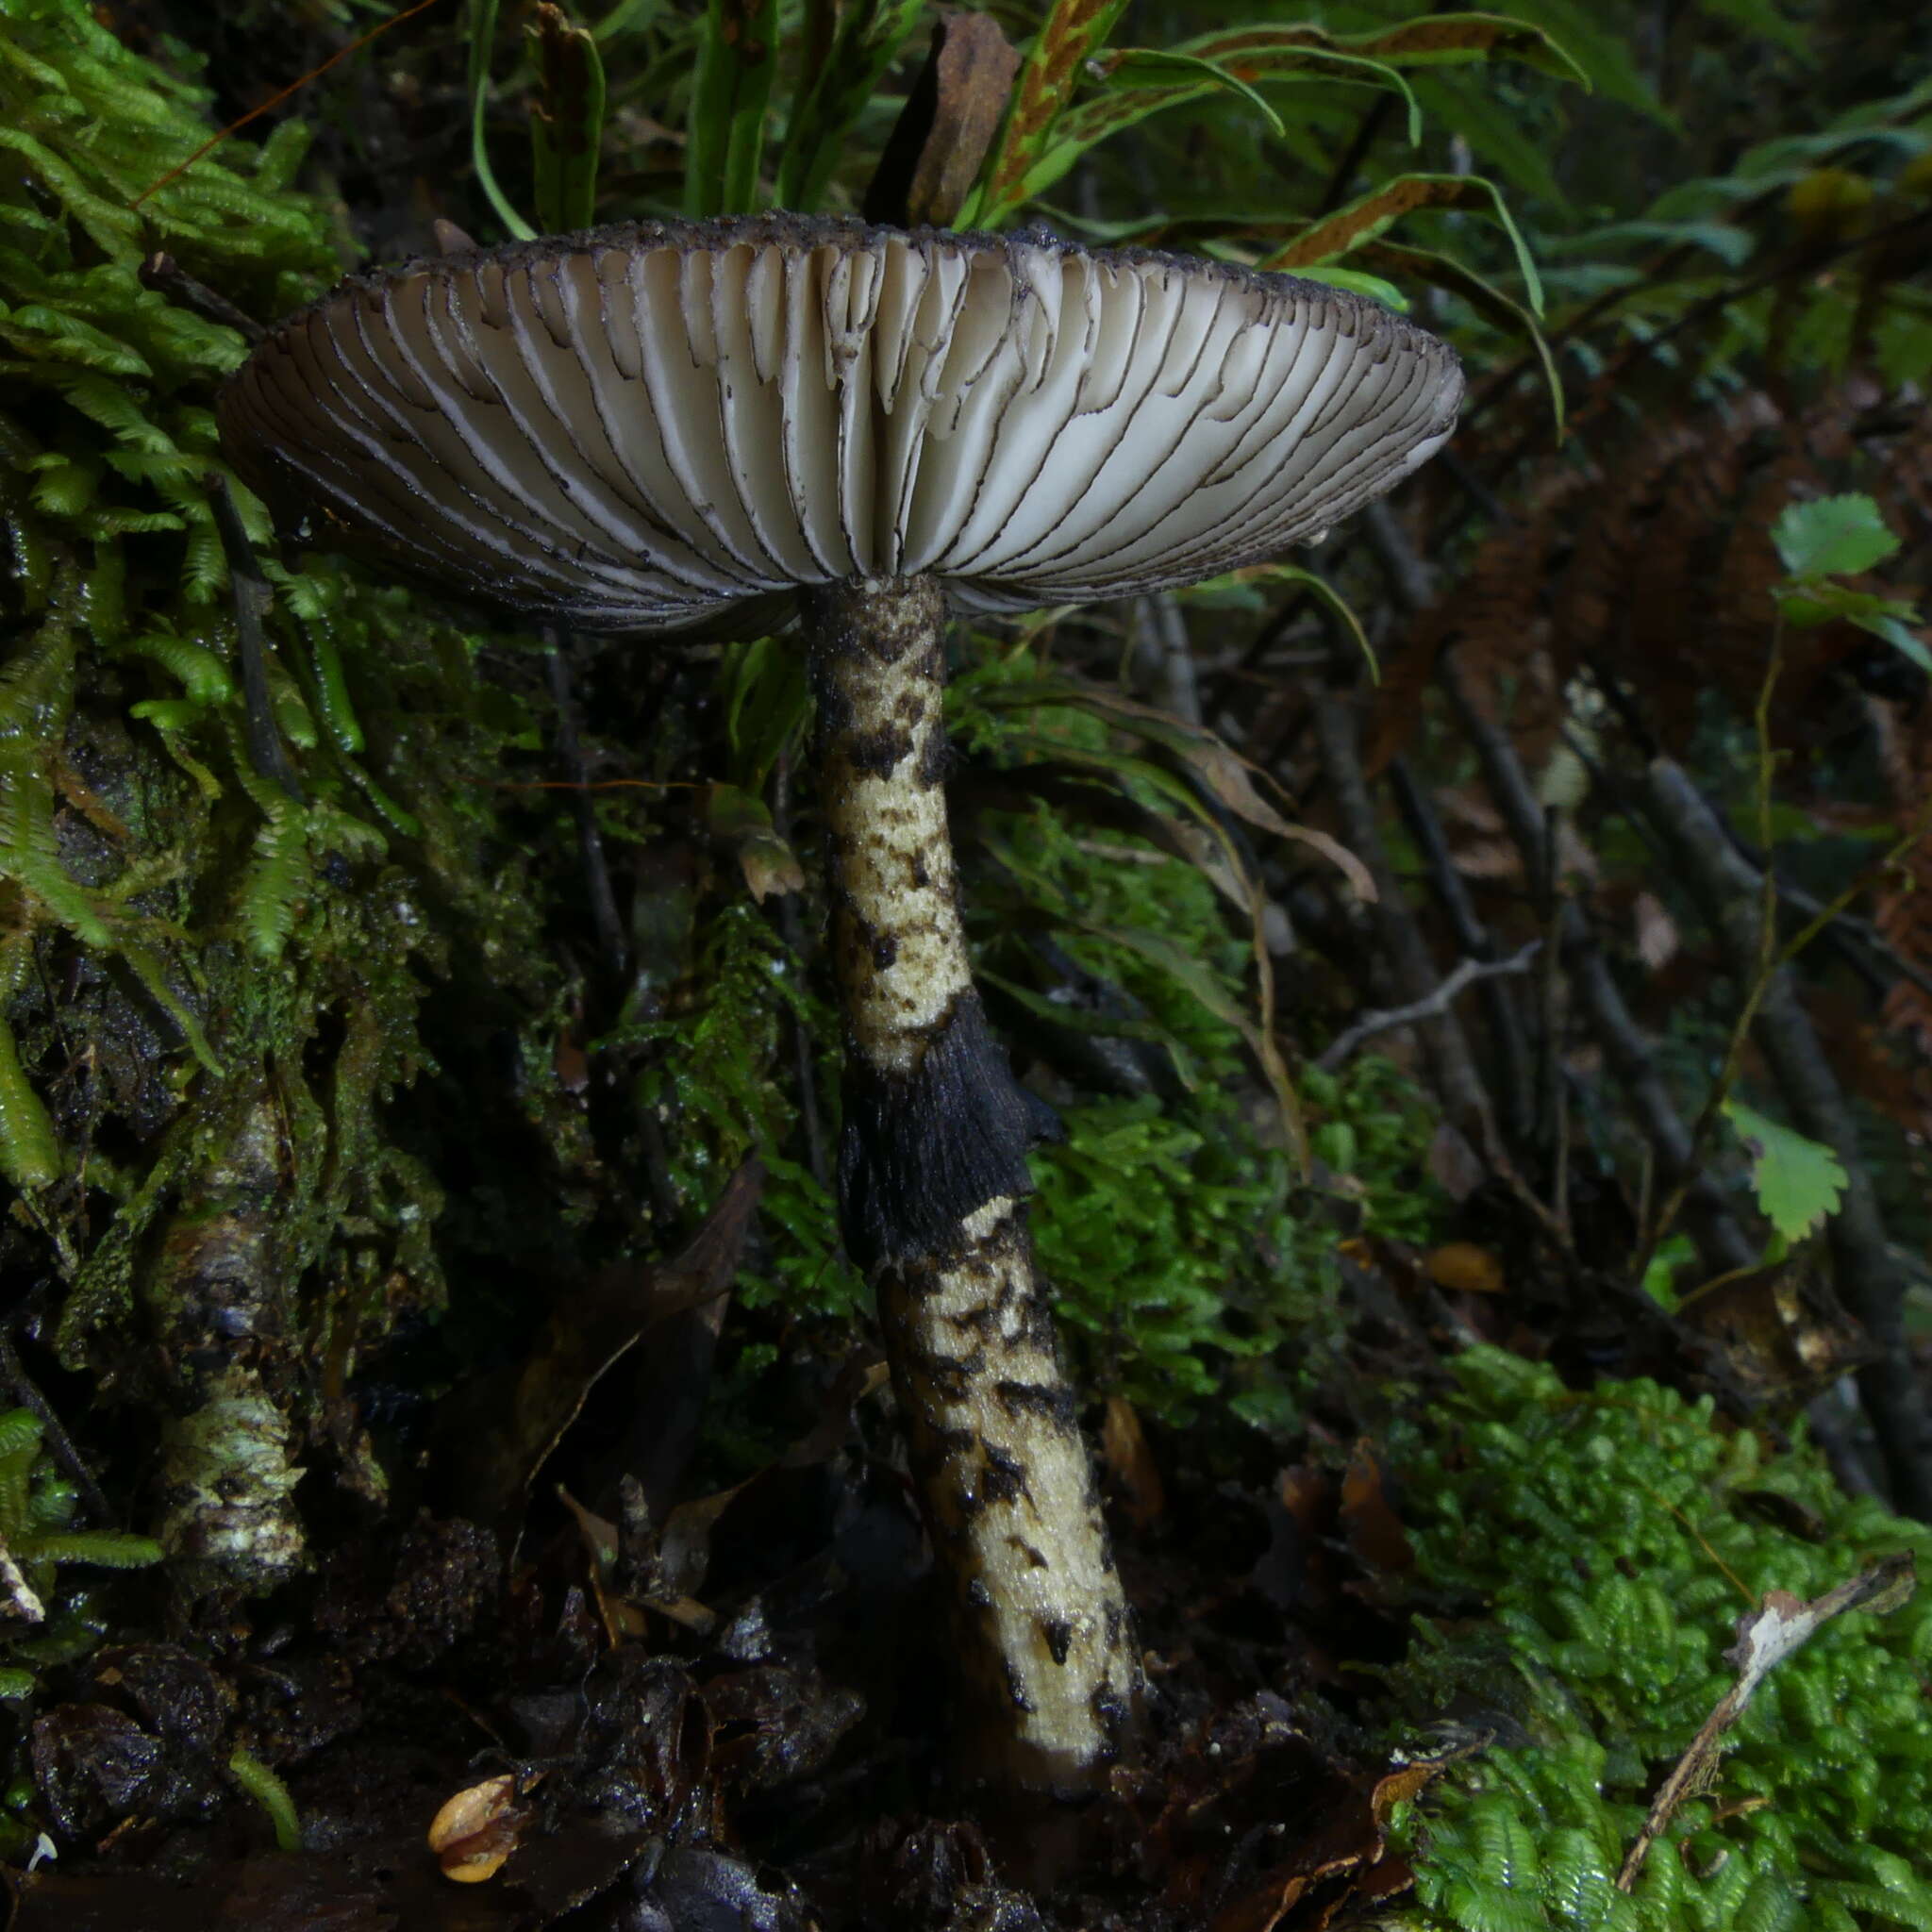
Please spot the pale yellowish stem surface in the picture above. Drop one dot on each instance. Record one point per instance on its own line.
(932, 1181)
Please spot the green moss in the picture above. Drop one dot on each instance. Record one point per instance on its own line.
(717, 1089)
(211, 980)
(49, 1619)
(1190, 1266)
(1613, 1540)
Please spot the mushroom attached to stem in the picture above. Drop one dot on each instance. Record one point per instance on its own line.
(667, 428)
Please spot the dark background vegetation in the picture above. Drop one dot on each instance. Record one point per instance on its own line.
(430, 1355)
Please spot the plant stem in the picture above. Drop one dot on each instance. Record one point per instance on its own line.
(932, 1187)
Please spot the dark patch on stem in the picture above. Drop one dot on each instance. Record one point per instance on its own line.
(919, 1152)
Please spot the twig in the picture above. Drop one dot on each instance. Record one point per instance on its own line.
(1721, 1243)
(1403, 570)
(1764, 963)
(161, 272)
(1611, 379)
(1836, 920)
(1845, 929)
(1168, 657)
(1411, 968)
(1766, 1637)
(1366, 131)
(1869, 1279)
(1500, 1017)
(1468, 973)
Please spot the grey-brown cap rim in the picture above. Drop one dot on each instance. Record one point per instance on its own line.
(278, 453)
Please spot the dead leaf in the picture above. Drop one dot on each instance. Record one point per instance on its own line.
(1465, 1268)
(1374, 1532)
(1657, 932)
(1349, 1844)
(1781, 1332)
(476, 1830)
(667, 1568)
(505, 1429)
(1766, 1636)
(1130, 1462)
(601, 1546)
(933, 156)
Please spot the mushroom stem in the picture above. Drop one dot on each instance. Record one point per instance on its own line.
(932, 1186)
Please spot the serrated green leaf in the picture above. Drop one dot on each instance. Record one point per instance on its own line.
(1832, 536)
(1810, 604)
(1798, 1183)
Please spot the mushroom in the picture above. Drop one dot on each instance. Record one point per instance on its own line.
(721, 427)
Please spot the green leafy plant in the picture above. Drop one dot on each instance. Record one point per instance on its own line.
(50, 1621)
(1834, 537)
(1797, 1183)
(1611, 1540)
(234, 884)
(716, 1086)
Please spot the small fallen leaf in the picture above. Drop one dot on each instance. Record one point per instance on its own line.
(1130, 1462)
(1346, 1851)
(1374, 1531)
(1782, 1333)
(1657, 932)
(477, 1830)
(1465, 1267)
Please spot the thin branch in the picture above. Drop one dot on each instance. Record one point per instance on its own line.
(1500, 1017)
(1468, 973)
(1721, 1243)
(1611, 379)
(1367, 131)
(1764, 965)
(1867, 1275)
(1412, 969)
(1766, 1635)
(161, 272)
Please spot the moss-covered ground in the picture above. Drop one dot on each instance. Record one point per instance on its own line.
(370, 1299)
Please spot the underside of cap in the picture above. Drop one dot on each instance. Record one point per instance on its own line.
(670, 426)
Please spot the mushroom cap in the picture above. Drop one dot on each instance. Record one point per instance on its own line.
(674, 425)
